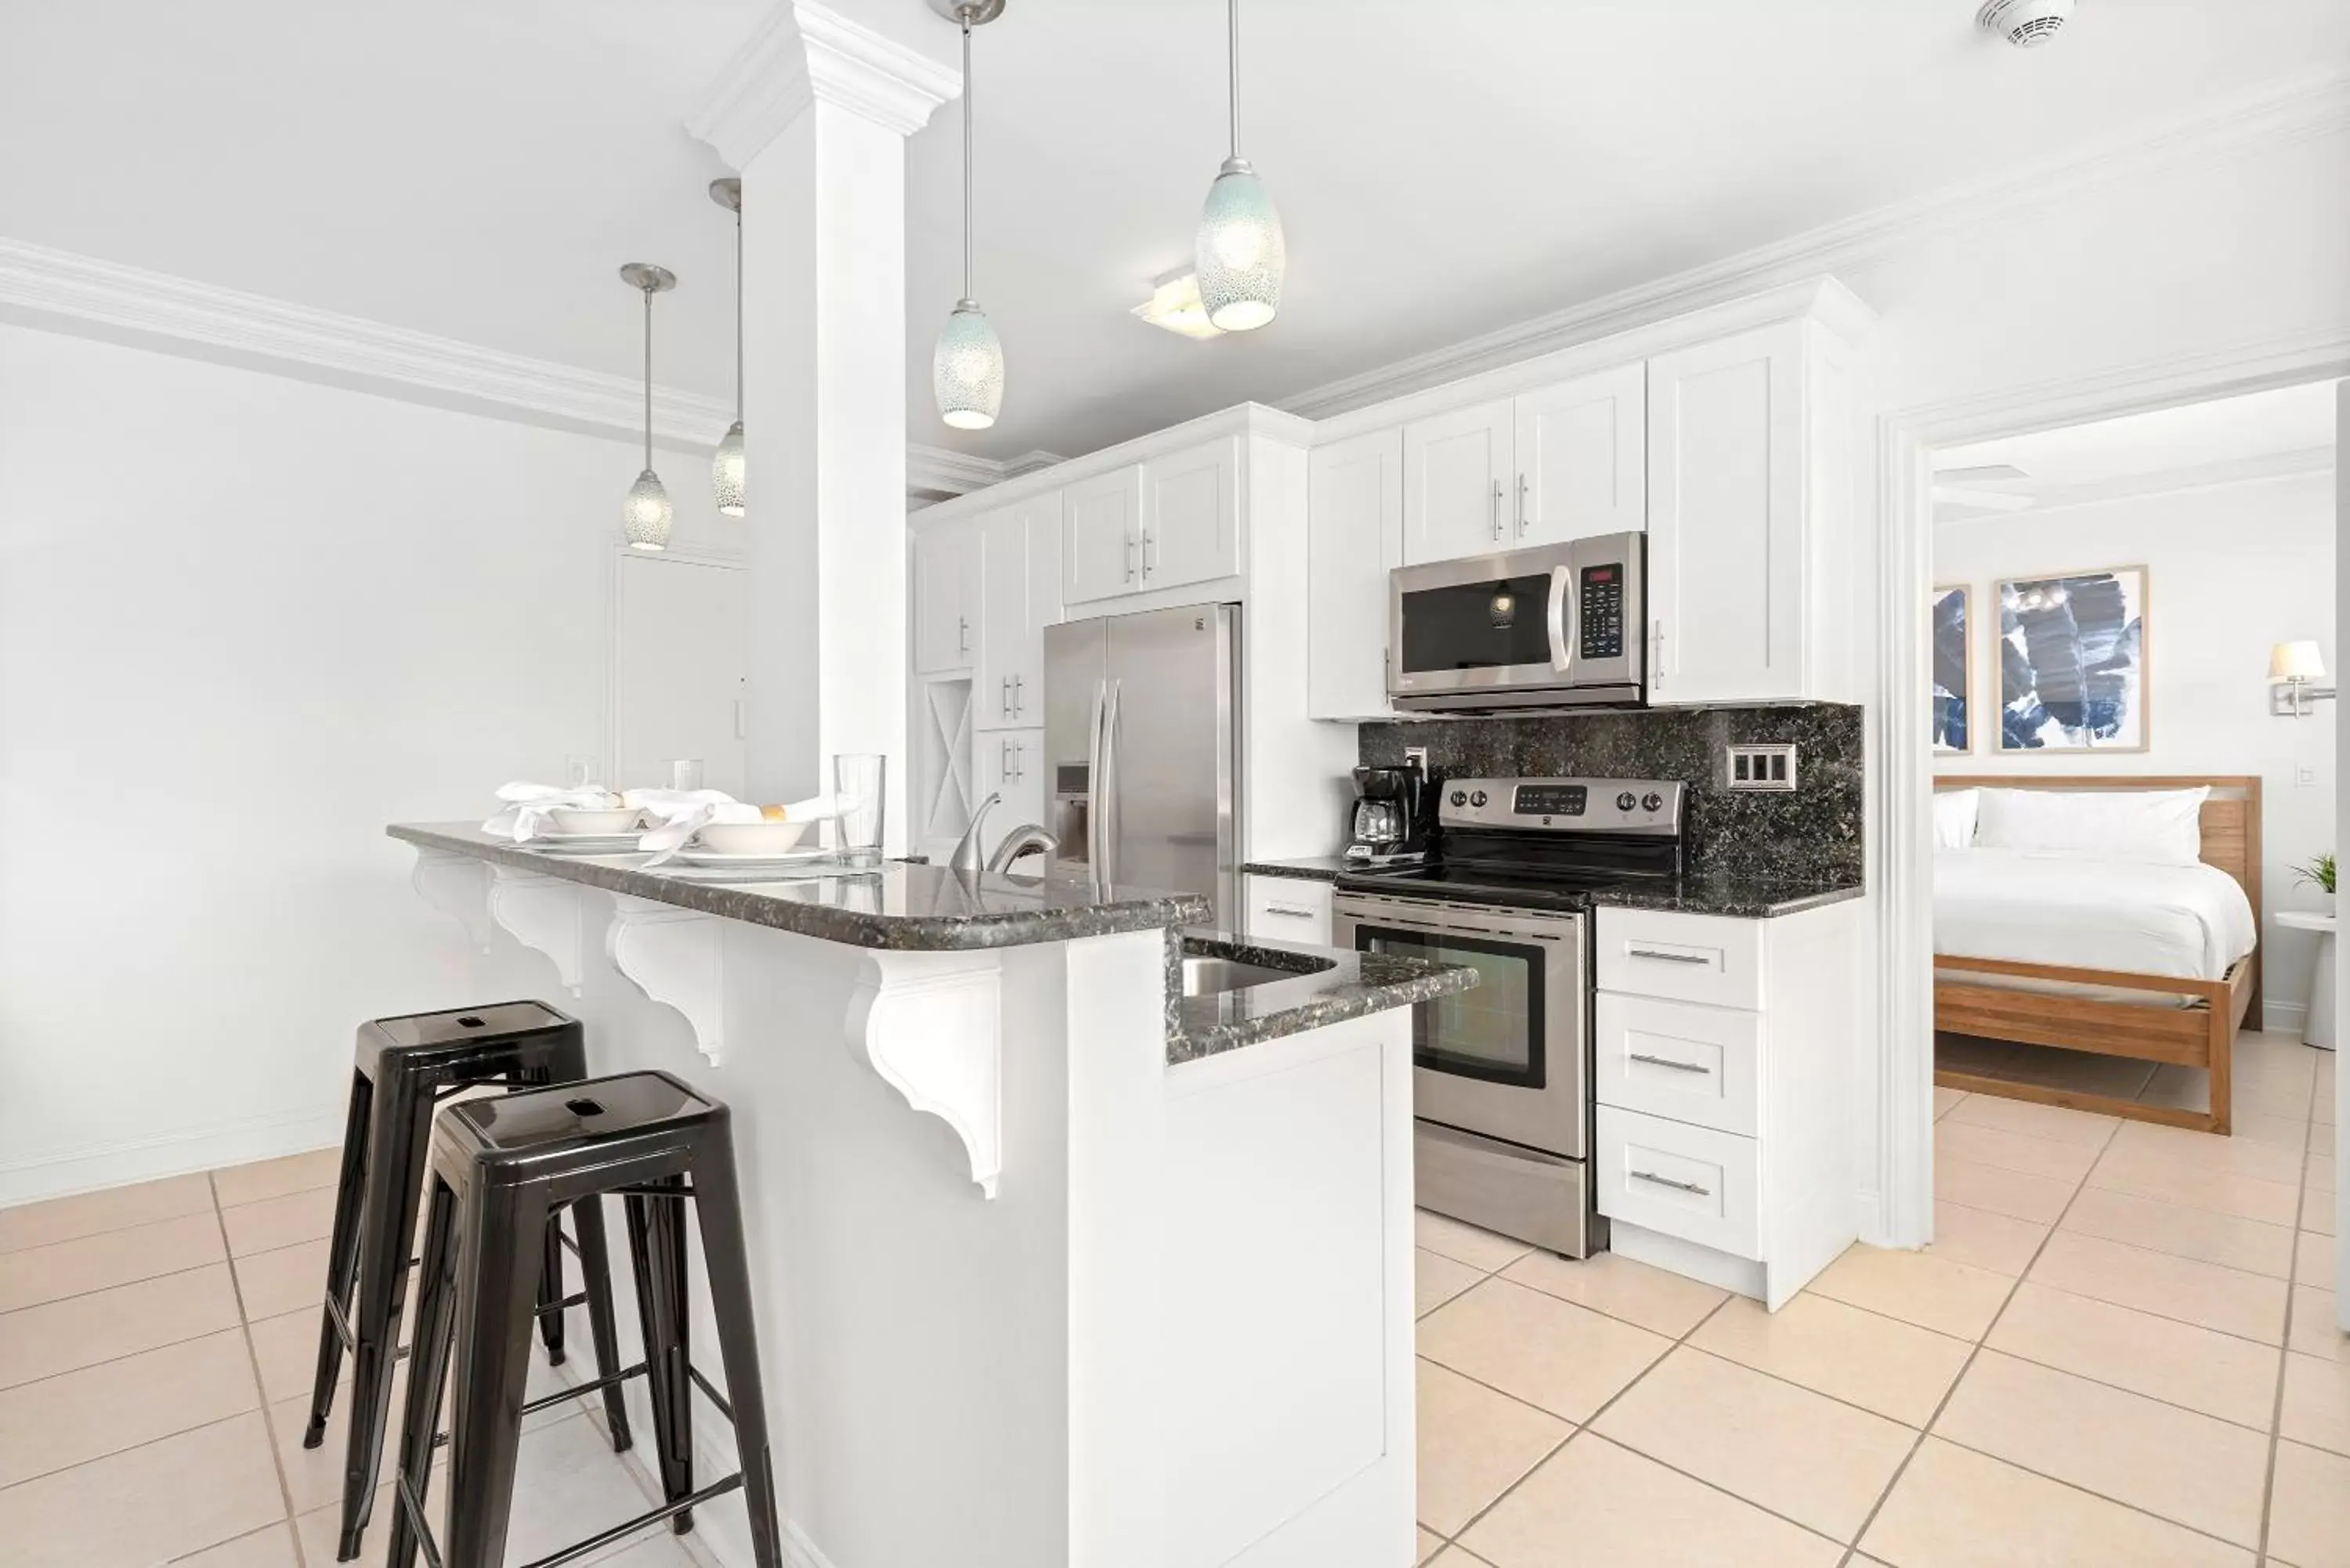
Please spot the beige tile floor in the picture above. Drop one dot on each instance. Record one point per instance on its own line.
(156, 1347)
(2120, 1353)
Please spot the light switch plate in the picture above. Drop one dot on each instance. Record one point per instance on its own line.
(1759, 767)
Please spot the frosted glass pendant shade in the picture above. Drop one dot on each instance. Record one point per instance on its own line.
(967, 369)
(1241, 252)
(646, 516)
(726, 472)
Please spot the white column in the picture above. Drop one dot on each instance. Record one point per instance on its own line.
(815, 111)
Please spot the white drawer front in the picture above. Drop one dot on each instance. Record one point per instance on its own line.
(1678, 1060)
(1289, 909)
(1700, 1185)
(1682, 958)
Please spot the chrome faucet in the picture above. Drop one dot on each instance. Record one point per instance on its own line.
(1028, 838)
(965, 855)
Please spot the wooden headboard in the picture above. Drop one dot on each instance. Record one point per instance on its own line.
(2231, 821)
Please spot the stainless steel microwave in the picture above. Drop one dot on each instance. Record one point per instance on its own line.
(1560, 626)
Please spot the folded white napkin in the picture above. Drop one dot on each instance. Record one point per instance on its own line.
(683, 813)
(527, 808)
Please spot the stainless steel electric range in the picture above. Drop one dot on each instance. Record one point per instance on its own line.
(1502, 1072)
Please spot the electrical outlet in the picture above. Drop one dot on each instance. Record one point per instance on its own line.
(1415, 757)
(581, 772)
(1760, 767)
(2304, 774)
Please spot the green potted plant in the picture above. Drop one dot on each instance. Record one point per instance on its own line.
(2318, 870)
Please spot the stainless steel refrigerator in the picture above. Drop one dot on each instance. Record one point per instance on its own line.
(1142, 741)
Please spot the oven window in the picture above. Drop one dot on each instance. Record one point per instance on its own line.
(1494, 1030)
(1489, 625)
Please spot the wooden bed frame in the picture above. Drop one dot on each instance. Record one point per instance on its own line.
(2200, 1035)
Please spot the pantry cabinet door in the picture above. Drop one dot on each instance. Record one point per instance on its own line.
(1582, 452)
(1011, 764)
(1004, 620)
(1456, 468)
(1354, 525)
(946, 568)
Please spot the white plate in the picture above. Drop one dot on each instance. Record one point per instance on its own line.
(696, 857)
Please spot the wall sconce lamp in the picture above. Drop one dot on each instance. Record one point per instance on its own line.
(2294, 670)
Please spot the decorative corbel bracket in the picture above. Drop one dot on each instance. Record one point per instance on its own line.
(677, 958)
(459, 886)
(929, 1023)
(541, 913)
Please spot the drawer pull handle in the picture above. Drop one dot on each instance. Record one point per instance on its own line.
(1668, 958)
(1291, 910)
(1668, 1181)
(1668, 1062)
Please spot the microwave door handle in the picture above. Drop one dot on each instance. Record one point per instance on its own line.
(1562, 633)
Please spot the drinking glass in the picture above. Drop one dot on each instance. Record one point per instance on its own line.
(856, 778)
(686, 773)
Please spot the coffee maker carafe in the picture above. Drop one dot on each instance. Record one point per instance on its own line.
(1393, 815)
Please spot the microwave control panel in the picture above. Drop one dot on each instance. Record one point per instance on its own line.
(1602, 616)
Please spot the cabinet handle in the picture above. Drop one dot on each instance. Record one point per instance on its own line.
(1497, 509)
(1521, 503)
(1129, 557)
(1666, 958)
(1149, 554)
(1656, 660)
(1291, 910)
(963, 635)
(1668, 1062)
(1019, 701)
(1003, 704)
(1668, 1181)
(1019, 761)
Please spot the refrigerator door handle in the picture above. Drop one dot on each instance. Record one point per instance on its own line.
(1107, 813)
(1094, 785)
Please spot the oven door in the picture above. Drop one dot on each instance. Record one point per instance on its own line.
(1508, 1059)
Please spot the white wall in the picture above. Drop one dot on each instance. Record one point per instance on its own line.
(244, 622)
(2230, 569)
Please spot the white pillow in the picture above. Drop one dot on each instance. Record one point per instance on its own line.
(2159, 826)
(1954, 818)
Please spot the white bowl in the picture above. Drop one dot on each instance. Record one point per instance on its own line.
(751, 838)
(571, 819)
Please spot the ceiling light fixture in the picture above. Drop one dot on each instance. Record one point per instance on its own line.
(1241, 252)
(646, 516)
(1174, 303)
(726, 467)
(967, 366)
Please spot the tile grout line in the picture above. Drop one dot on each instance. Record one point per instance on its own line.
(260, 1389)
(2284, 1351)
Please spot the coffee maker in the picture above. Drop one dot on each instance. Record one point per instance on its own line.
(1394, 815)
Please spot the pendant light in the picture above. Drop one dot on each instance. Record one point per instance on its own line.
(967, 368)
(1241, 252)
(726, 468)
(647, 515)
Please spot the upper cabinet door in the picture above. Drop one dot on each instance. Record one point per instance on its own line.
(1456, 468)
(1582, 452)
(1040, 517)
(1191, 516)
(1004, 624)
(1727, 562)
(1101, 538)
(1354, 525)
(946, 563)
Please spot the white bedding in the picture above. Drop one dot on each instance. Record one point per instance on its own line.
(2084, 912)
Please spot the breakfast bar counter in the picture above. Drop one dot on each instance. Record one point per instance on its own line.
(1028, 1222)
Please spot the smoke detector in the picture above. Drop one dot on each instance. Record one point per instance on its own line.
(2026, 24)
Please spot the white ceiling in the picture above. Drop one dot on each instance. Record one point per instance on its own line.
(2261, 434)
(478, 168)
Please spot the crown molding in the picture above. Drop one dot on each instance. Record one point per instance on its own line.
(805, 52)
(2312, 104)
(81, 294)
(935, 472)
(2296, 464)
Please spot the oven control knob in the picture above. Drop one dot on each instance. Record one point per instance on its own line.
(1652, 801)
(1459, 798)
(1626, 801)
(1477, 799)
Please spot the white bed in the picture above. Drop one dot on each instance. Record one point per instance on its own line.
(2081, 911)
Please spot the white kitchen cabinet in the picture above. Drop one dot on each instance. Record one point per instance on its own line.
(1457, 467)
(1747, 487)
(946, 597)
(1011, 764)
(1289, 910)
(1581, 448)
(1354, 520)
(1102, 535)
(1722, 1054)
(1191, 516)
(1019, 595)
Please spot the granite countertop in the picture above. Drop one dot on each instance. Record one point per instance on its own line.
(1304, 868)
(1729, 893)
(1331, 987)
(896, 905)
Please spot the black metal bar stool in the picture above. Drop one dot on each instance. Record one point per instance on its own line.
(401, 1069)
(499, 1168)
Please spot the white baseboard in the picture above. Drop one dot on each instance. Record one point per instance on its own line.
(2284, 1017)
(172, 1154)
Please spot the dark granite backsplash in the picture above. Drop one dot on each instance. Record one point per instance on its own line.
(1815, 832)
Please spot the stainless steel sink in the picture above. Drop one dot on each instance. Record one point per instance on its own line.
(1205, 976)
